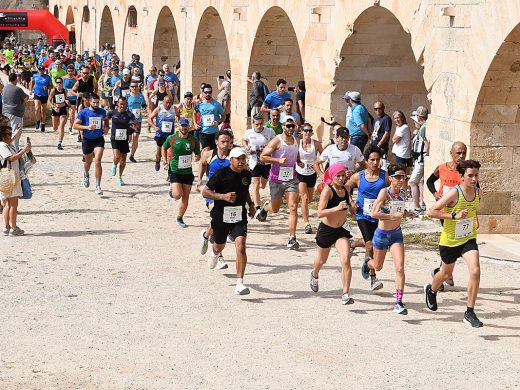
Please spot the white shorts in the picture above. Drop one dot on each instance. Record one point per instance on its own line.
(417, 173)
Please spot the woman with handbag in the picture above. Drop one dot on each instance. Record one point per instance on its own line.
(10, 186)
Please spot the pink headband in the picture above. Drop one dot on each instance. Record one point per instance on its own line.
(331, 172)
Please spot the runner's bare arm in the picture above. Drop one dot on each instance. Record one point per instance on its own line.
(448, 199)
(266, 156)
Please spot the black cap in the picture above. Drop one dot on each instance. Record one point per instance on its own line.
(342, 132)
(188, 94)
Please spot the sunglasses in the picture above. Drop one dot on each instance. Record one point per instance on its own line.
(207, 92)
(290, 126)
(58, 82)
(84, 74)
(307, 130)
(133, 86)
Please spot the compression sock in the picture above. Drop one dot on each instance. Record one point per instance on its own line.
(398, 295)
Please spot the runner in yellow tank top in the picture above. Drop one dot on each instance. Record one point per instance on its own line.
(458, 208)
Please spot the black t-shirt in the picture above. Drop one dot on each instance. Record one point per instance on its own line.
(381, 126)
(300, 96)
(120, 120)
(226, 180)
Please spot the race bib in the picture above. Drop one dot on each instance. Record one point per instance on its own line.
(347, 226)
(27, 64)
(396, 206)
(154, 99)
(96, 121)
(232, 214)
(286, 173)
(445, 189)
(136, 112)
(167, 127)
(184, 162)
(125, 92)
(368, 205)
(207, 120)
(120, 135)
(59, 98)
(464, 228)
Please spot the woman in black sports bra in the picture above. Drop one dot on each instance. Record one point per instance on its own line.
(334, 229)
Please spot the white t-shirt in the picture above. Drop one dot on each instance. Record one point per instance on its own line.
(348, 157)
(402, 148)
(257, 143)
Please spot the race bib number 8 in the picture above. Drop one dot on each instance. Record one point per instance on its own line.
(184, 162)
(208, 120)
(368, 205)
(286, 173)
(464, 228)
(167, 127)
(232, 214)
(120, 135)
(96, 121)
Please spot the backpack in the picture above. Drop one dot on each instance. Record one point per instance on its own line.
(266, 90)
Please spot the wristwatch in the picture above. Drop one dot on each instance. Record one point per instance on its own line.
(453, 215)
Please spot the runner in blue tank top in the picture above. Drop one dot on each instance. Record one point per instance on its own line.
(210, 162)
(369, 182)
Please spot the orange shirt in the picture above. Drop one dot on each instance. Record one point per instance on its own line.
(448, 178)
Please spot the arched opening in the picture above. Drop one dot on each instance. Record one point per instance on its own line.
(132, 17)
(495, 138)
(85, 19)
(377, 60)
(86, 14)
(166, 41)
(56, 12)
(69, 23)
(276, 53)
(211, 54)
(106, 31)
(69, 19)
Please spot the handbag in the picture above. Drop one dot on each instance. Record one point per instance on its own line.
(8, 178)
(26, 189)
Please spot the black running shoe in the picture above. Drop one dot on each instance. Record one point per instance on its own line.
(132, 159)
(365, 271)
(42, 128)
(471, 319)
(430, 297)
(262, 214)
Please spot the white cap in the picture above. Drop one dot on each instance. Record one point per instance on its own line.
(126, 71)
(237, 152)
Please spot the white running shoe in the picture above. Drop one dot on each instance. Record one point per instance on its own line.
(346, 299)
(203, 242)
(376, 284)
(240, 289)
(99, 191)
(212, 261)
(221, 264)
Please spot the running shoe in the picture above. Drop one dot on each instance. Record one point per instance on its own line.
(221, 264)
(450, 282)
(71, 132)
(314, 283)
(99, 191)
(365, 271)
(37, 125)
(400, 308)
(86, 180)
(257, 212)
(132, 159)
(113, 171)
(346, 299)
(240, 289)
(292, 243)
(430, 297)
(203, 242)
(6, 230)
(262, 215)
(120, 181)
(60, 147)
(376, 284)
(157, 167)
(42, 128)
(471, 319)
(16, 232)
(79, 138)
(308, 228)
(181, 223)
(212, 261)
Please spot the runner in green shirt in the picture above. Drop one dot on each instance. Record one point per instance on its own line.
(57, 71)
(274, 121)
(179, 149)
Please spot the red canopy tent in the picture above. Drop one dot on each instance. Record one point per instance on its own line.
(41, 20)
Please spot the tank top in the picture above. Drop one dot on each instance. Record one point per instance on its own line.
(394, 203)
(367, 194)
(216, 163)
(125, 88)
(283, 174)
(448, 178)
(59, 97)
(336, 199)
(87, 86)
(457, 232)
(164, 122)
(307, 158)
(186, 113)
(160, 96)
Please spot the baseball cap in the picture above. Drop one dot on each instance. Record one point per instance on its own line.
(421, 111)
(237, 152)
(354, 95)
(342, 132)
(126, 71)
(346, 95)
(288, 119)
(184, 121)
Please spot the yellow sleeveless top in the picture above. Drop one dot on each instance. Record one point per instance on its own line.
(457, 232)
(188, 114)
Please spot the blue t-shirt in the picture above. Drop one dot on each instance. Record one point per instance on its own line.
(209, 113)
(41, 60)
(87, 117)
(113, 80)
(68, 84)
(40, 82)
(135, 104)
(359, 117)
(274, 100)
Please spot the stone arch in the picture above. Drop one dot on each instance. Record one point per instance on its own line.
(56, 12)
(69, 18)
(85, 21)
(495, 138)
(106, 29)
(166, 41)
(377, 60)
(276, 52)
(130, 28)
(86, 14)
(211, 53)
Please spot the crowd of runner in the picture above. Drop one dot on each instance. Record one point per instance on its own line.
(358, 176)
